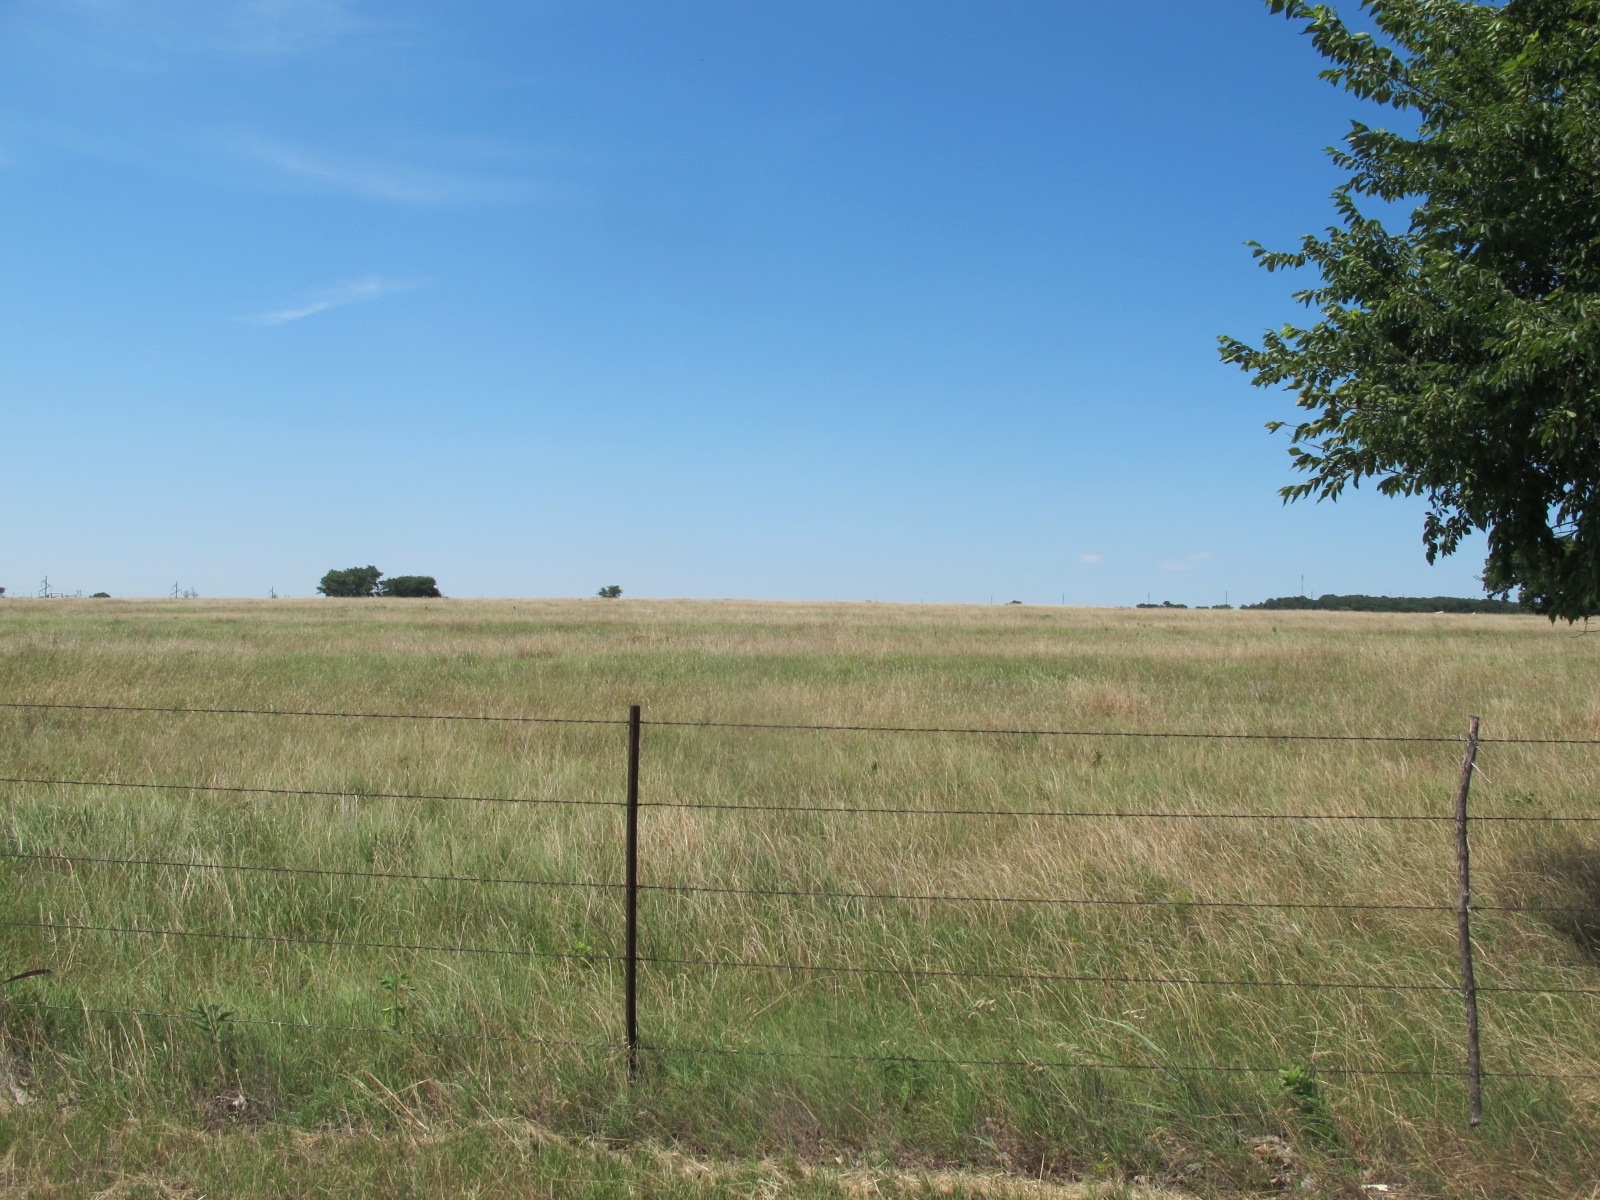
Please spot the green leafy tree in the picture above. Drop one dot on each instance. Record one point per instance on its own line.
(352, 581)
(610, 592)
(409, 585)
(1459, 359)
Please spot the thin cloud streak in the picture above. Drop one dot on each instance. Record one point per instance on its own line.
(144, 34)
(374, 180)
(1185, 564)
(357, 291)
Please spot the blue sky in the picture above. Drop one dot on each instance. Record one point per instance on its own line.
(866, 300)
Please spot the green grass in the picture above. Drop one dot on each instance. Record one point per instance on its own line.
(423, 1074)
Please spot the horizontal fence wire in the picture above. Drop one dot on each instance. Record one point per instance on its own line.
(1035, 1064)
(759, 965)
(289, 712)
(1047, 1064)
(1031, 1063)
(292, 940)
(998, 731)
(314, 792)
(1435, 739)
(1051, 977)
(862, 810)
(1066, 901)
(857, 810)
(1110, 814)
(792, 893)
(185, 864)
(1040, 977)
(181, 1018)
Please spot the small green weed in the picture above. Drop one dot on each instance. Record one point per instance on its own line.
(398, 1010)
(1301, 1085)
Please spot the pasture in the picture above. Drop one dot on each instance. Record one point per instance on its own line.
(414, 989)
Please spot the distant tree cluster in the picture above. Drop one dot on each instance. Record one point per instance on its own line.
(358, 582)
(610, 592)
(410, 586)
(1398, 604)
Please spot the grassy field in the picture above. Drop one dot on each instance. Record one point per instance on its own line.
(159, 1065)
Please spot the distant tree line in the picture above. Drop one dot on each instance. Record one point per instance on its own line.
(1398, 604)
(358, 582)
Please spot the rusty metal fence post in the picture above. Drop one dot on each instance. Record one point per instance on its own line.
(1469, 987)
(630, 951)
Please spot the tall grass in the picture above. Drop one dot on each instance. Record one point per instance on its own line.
(832, 1065)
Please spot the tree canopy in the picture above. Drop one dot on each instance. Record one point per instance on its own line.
(1459, 359)
(364, 581)
(409, 585)
(350, 582)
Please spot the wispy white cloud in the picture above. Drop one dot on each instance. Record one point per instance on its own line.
(1185, 564)
(1089, 558)
(290, 26)
(369, 287)
(139, 34)
(374, 179)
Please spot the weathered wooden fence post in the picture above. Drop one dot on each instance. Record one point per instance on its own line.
(1469, 987)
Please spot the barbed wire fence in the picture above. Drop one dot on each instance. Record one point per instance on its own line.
(632, 1046)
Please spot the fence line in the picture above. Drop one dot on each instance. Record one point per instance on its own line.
(1433, 739)
(1110, 815)
(861, 810)
(903, 972)
(1085, 733)
(694, 889)
(856, 810)
(286, 939)
(285, 712)
(323, 794)
(183, 1018)
(1062, 900)
(1035, 1064)
(631, 887)
(272, 870)
(1045, 977)
(1029, 1063)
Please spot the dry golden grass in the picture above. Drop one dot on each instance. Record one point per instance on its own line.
(1113, 671)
